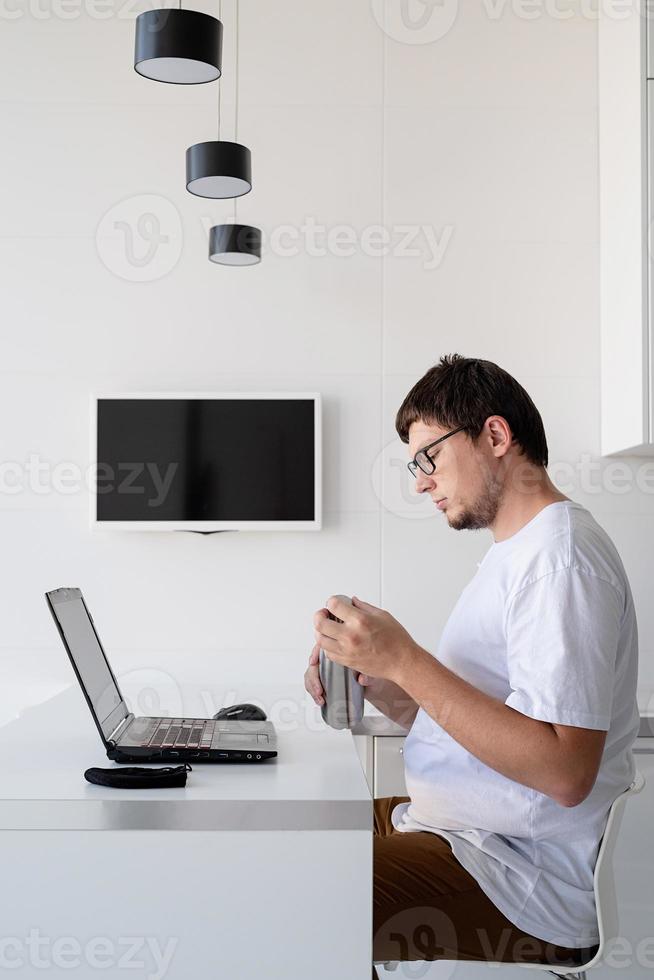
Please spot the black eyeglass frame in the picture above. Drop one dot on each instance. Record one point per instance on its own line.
(414, 465)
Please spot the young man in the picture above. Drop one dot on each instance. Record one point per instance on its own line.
(523, 714)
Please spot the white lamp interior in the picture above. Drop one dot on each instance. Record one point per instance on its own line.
(235, 258)
(219, 186)
(181, 71)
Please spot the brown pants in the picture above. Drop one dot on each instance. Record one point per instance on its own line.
(428, 907)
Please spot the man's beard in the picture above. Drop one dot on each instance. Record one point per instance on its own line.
(483, 512)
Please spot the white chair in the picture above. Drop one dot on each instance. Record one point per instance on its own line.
(604, 888)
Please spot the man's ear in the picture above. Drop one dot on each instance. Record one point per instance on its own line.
(499, 432)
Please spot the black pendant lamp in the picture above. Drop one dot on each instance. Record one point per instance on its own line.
(183, 47)
(235, 244)
(218, 169)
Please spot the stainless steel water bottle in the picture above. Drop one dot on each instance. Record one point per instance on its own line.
(343, 707)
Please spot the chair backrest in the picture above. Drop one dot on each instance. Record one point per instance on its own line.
(608, 920)
(604, 880)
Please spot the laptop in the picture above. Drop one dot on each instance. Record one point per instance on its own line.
(130, 739)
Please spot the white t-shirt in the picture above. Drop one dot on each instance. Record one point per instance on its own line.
(546, 625)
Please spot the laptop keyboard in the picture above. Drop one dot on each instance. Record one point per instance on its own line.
(185, 733)
(191, 733)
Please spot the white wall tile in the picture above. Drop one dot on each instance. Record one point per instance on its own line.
(495, 53)
(531, 308)
(295, 52)
(523, 175)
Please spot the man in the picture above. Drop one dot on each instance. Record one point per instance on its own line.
(523, 715)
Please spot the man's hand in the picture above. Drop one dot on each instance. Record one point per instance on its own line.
(369, 640)
(312, 682)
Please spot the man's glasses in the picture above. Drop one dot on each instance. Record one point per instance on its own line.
(423, 461)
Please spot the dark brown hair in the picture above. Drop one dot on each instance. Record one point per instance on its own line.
(464, 391)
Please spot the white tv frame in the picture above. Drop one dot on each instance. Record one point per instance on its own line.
(212, 526)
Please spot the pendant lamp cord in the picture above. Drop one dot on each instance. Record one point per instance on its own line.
(236, 94)
(220, 87)
(237, 74)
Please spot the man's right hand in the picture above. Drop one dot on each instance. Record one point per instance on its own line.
(312, 681)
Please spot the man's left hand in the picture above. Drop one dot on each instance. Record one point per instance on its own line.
(368, 640)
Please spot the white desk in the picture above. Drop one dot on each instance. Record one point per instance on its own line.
(251, 872)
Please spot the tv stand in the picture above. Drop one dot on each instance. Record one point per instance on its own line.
(224, 530)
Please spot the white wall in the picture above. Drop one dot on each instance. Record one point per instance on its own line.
(485, 133)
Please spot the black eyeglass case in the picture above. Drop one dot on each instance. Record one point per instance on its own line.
(138, 777)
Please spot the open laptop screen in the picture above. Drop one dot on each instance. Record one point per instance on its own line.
(88, 658)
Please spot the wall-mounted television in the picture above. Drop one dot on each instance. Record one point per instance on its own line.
(234, 461)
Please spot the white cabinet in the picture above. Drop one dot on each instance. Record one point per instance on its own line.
(380, 744)
(626, 60)
(388, 766)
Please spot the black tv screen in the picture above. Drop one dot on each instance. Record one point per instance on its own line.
(202, 461)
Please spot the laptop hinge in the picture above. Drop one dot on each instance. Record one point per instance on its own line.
(120, 729)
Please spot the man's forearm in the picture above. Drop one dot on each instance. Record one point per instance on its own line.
(519, 747)
(392, 701)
